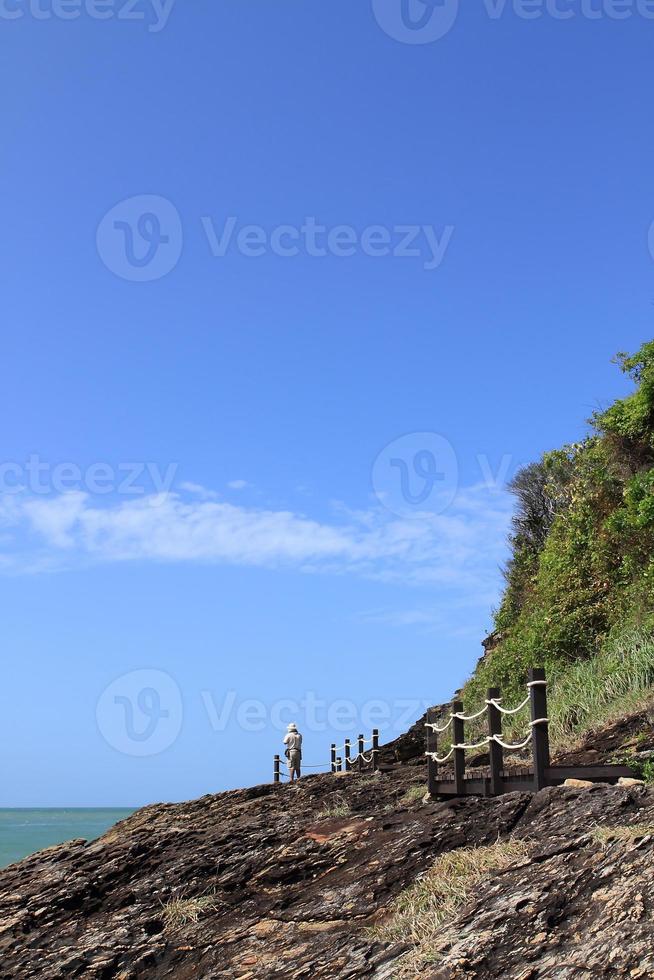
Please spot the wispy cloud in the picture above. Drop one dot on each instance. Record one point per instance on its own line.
(197, 490)
(455, 550)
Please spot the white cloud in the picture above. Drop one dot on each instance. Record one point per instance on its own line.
(198, 490)
(459, 550)
(238, 484)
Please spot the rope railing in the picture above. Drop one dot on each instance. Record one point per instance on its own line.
(486, 741)
(350, 761)
(494, 741)
(461, 717)
(364, 741)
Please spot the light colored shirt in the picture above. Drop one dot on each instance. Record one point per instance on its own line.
(293, 740)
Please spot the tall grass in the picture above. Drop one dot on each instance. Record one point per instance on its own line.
(418, 914)
(588, 693)
(583, 695)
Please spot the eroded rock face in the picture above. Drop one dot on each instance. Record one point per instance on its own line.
(577, 909)
(294, 891)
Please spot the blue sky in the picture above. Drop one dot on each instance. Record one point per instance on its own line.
(320, 422)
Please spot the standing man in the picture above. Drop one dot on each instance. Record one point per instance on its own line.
(293, 743)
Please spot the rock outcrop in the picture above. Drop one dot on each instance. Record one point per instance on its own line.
(287, 881)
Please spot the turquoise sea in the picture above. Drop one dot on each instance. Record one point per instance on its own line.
(24, 831)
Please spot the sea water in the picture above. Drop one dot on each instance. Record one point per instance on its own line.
(23, 831)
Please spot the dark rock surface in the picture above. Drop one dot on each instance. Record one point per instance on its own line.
(293, 890)
(576, 908)
(632, 736)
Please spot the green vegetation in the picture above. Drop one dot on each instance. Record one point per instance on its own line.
(418, 913)
(337, 807)
(640, 768)
(414, 794)
(585, 694)
(596, 691)
(579, 597)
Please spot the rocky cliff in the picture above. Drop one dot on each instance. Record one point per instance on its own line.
(298, 881)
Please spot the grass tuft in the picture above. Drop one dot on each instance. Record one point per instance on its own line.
(418, 913)
(338, 807)
(414, 794)
(626, 834)
(180, 911)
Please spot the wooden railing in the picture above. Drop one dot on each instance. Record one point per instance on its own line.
(496, 777)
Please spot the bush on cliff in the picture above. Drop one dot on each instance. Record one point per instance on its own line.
(580, 579)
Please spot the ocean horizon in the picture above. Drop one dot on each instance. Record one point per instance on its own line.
(26, 830)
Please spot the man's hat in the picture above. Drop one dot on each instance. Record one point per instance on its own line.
(292, 727)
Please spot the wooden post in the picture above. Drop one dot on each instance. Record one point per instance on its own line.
(333, 756)
(339, 764)
(375, 749)
(347, 755)
(276, 769)
(458, 736)
(432, 746)
(360, 756)
(495, 751)
(540, 741)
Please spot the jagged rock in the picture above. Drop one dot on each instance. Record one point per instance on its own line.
(625, 735)
(578, 910)
(294, 893)
(627, 781)
(579, 783)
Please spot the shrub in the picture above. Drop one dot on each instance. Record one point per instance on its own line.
(582, 547)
